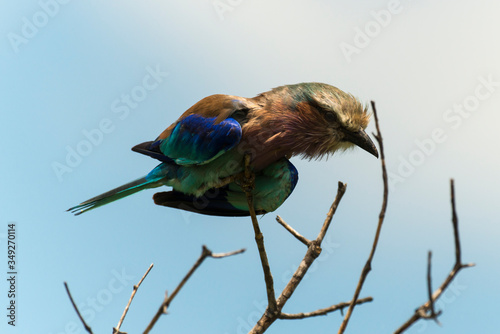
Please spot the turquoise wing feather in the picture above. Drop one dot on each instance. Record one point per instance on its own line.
(195, 140)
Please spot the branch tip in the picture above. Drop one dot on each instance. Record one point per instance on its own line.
(87, 327)
(116, 330)
(290, 229)
(367, 267)
(205, 252)
(422, 311)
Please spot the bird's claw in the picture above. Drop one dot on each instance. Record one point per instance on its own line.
(246, 181)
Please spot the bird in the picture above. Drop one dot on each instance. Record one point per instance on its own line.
(203, 151)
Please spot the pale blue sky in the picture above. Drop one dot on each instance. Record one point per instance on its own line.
(66, 69)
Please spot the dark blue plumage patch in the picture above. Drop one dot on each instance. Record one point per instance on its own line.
(197, 139)
(272, 186)
(294, 175)
(213, 203)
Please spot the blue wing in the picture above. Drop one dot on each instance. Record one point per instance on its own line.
(273, 185)
(194, 140)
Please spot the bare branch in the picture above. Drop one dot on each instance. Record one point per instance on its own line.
(87, 327)
(333, 208)
(422, 311)
(340, 192)
(323, 311)
(116, 330)
(313, 251)
(168, 299)
(433, 314)
(221, 255)
(248, 185)
(381, 217)
(454, 221)
(290, 229)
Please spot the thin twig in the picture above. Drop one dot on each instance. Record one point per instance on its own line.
(323, 311)
(367, 267)
(87, 327)
(116, 330)
(221, 255)
(422, 311)
(333, 208)
(454, 221)
(205, 252)
(248, 185)
(433, 314)
(313, 251)
(290, 229)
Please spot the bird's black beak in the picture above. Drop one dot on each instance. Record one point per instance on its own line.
(362, 140)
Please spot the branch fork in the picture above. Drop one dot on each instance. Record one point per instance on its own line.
(427, 311)
(275, 306)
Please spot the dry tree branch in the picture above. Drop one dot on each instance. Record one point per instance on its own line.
(323, 311)
(422, 312)
(290, 229)
(313, 251)
(168, 299)
(116, 330)
(433, 314)
(87, 327)
(248, 184)
(368, 266)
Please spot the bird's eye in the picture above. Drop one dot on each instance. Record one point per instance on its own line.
(239, 114)
(330, 117)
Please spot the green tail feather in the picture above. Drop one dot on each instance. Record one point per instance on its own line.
(115, 194)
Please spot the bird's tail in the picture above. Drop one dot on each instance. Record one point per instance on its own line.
(156, 178)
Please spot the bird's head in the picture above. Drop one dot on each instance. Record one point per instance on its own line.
(327, 118)
(346, 117)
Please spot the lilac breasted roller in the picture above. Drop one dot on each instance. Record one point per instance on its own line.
(208, 143)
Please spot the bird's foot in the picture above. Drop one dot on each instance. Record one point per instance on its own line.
(247, 182)
(247, 179)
